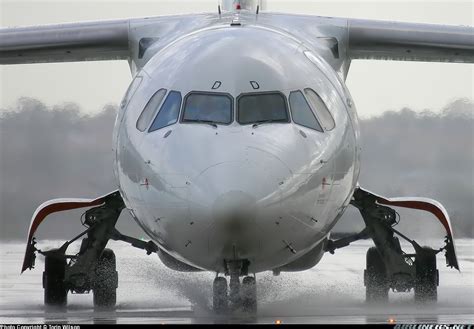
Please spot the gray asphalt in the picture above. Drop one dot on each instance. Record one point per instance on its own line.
(332, 292)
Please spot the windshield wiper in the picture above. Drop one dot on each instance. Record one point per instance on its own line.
(261, 122)
(208, 122)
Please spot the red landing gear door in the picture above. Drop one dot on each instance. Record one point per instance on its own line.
(433, 207)
(50, 207)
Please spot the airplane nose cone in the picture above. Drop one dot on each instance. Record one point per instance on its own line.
(234, 212)
(234, 198)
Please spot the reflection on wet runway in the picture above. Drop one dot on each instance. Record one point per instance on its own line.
(148, 292)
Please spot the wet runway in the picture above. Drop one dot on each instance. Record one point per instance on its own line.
(148, 292)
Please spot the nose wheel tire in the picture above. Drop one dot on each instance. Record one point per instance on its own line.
(375, 278)
(55, 292)
(106, 281)
(427, 276)
(249, 294)
(219, 291)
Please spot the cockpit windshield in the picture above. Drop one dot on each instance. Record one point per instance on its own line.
(259, 108)
(212, 108)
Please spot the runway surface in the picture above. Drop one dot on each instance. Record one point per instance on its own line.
(331, 292)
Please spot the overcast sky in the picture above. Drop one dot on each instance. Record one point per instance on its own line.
(375, 85)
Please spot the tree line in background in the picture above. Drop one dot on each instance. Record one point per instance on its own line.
(50, 152)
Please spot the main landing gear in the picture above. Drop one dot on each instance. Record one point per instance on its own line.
(387, 265)
(237, 296)
(93, 268)
(421, 274)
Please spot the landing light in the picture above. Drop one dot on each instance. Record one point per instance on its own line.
(391, 320)
(277, 321)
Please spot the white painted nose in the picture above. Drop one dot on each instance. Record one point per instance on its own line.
(234, 212)
(235, 228)
(236, 197)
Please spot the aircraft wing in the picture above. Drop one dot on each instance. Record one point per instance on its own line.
(114, 39)
(125, 39)
(369, 39)
(104, 40)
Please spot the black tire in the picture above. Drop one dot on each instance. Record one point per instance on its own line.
(249, 294)
(106, 281)
(219, 292)
(55, 292)
(427, 276)
(375, 278)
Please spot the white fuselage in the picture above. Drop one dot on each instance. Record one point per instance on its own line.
(267, 194)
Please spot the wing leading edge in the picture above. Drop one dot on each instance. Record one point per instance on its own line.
(364, 39)
(105, 40)
(369, 39)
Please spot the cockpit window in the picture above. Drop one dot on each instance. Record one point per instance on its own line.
(210, 108)
(150, 109)
(320, 108)
(169, 112)
(302, 113)
(258, 108)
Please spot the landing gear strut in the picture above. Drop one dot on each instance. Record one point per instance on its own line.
(388, 266)
(234, 270)
(94, 267)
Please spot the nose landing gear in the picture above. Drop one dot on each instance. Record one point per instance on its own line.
(249, 294)
(219, 291)
(241, 296)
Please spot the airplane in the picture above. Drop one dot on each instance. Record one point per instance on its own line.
(237, 149)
